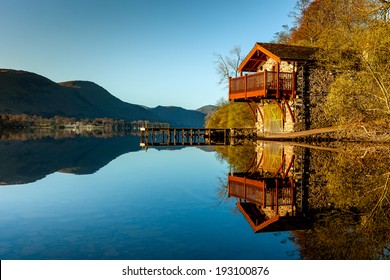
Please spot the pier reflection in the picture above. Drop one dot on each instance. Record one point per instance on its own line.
(194, 136)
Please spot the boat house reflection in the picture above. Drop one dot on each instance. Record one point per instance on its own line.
(272, 196)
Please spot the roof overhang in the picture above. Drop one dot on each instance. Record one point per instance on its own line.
(255, 58)
(253, 220)
(261, 52)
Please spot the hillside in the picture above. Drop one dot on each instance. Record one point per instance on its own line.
(179, 117)
(106, 104)
(207, 110)
(28, 93)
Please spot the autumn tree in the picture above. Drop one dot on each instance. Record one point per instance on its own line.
(353, 199)
(354, 42)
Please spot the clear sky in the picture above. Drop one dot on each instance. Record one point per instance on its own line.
(145, 52)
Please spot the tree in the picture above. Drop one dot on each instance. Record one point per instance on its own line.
(356, 186)
(353, 37)
(283, 37)
(230, 115)
(227, 66)
(227, 114)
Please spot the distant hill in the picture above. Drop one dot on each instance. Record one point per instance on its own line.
(29, 93)
(24, 92)
(207, 110)
(179, 117)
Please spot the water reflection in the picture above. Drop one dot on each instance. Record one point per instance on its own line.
(271, 197)
(25, 158)
(335, 201)
(301, 201)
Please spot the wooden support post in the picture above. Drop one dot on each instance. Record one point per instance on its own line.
(293, 86)
(245, 86)
(258, 110)
(278, 82)
(230, 86)
(244, 188)
(289, 167)
(292, 193)
(252, 111)
(277, 200)
(265, 83)
(254, 156)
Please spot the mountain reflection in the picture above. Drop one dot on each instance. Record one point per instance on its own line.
(25, 158)
(335, 202)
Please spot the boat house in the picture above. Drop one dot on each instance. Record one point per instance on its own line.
(276, 80)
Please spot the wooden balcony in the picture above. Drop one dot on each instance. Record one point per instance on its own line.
(266, 192)
(263, 85)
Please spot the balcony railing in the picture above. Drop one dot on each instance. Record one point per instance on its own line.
(262, 85)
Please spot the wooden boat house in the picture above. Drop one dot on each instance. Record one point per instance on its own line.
(275, 79)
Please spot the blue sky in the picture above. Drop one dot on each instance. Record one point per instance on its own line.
(143, 52)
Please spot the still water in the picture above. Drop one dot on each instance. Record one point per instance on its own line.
(106, 198)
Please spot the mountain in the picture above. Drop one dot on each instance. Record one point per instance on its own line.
(106, 104)
(207, 110)
(29, 93)
(179, 117)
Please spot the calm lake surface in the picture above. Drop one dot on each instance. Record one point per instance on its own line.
(106, 198)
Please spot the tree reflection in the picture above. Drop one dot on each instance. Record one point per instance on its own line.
(356, 224)
(347, 196)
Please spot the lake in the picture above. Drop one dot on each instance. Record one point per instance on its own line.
(96, 198)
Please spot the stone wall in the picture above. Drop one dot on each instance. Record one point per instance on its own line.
(313, 83)
(270, 64)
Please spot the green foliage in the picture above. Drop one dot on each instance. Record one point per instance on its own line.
(239, 157)
(230, 115)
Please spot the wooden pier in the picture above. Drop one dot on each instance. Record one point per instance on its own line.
(193, 136)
